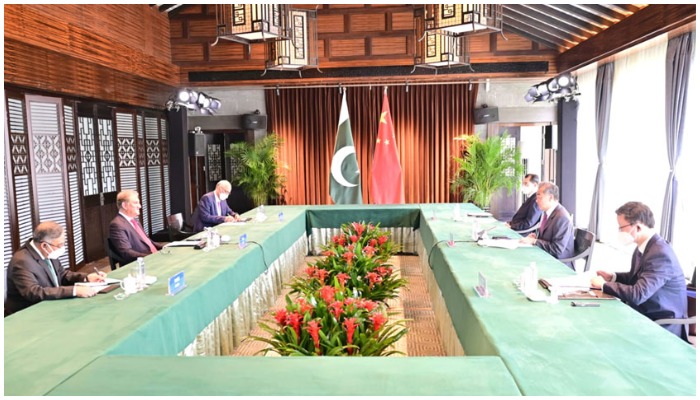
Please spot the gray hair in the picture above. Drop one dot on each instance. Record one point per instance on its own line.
(124, 197)
(226, 185)
(47, 231)
(550, 188)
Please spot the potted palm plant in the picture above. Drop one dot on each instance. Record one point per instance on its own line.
(258, 174)
(484, 167)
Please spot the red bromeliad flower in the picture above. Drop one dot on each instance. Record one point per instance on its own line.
(350, 326)
(304, 307)
(313, 327)
(294, 320)
(358, 228)
(378, 319)
(328, 253)
(373, 242)
(369, 250)
(366, 304)
(310, 271)
(383, 271)
(342, 278)
(348, 257)
(354, 238)
(321, 274)
(373, 278)
(281, 317)
(327, 293)
(382, 240)
(336, 308)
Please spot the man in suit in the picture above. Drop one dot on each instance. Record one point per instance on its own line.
(35, 274)
(213, 209)
(655, 285)
(529, 213)
(126, 233)
(556, 232)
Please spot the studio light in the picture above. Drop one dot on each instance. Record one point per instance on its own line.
(563, 86)
(193, 100)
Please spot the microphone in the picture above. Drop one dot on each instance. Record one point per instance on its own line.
(481, 234)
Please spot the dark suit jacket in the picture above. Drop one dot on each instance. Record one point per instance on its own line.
(126, 240)
(205, 214)
(655, 285)
(29, 280)
(557, 236)
(527, 215)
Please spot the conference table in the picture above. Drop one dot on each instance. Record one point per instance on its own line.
(511, 346)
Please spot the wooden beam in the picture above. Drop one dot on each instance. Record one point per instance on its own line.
(649, 22)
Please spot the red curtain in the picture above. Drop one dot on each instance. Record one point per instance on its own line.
(426, 118)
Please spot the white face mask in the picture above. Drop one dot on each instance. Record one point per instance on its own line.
(223, 196)
(528, 190)
(624, 238)
(57, 253)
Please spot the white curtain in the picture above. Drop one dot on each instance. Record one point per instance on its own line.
(637, 165)
(586, 153)
(687, 170)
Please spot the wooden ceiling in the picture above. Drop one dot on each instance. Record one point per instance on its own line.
(373, 41)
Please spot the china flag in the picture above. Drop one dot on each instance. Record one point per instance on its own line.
(387, 182)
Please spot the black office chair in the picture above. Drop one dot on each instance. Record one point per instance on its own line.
(583, 248)
(115, 261)
(177, 228)
(524, 232)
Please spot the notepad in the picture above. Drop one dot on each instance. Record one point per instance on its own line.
(107, 281)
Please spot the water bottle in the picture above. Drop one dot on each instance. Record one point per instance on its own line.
(476, 229)
(141, 276)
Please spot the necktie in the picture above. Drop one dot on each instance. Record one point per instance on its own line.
(218, 207)
(544, 221)
(52, 272)
(141, 233)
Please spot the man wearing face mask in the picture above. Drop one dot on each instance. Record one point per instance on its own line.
(528, 214)
(35, 274)
(655, 285)
(213, 209)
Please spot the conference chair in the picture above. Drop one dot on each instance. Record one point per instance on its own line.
(524, 232)
(686, 322)
(177, 228)
(583, 247)
(114, 260)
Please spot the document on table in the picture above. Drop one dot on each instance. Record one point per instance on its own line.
(510, 244)
(183, 243)
(107, 282)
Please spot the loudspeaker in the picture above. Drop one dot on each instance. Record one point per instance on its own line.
(197, 144)
(254, 121)
(548, 143)
(485, 115)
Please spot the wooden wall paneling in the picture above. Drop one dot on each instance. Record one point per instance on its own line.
(347, 47)
(34, 67)
(402, 21)
(367, 22)
(227, 51)
(92, 35)
(390, 46)
(45, 128)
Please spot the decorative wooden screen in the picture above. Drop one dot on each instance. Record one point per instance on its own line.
(166, 163)
(48, 160)
(126, 149)
(73, 166)
(141, 154)
(155, 176)
(21, 170)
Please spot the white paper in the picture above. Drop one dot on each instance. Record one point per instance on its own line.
(510, 244)
(182, 243)
(107, 282)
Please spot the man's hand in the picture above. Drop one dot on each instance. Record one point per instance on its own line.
(96, 277)
(606, 275)
(84, 291)
(597, 282)
(529, 239)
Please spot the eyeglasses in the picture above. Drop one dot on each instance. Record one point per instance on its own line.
(623, 227)
(55, 246)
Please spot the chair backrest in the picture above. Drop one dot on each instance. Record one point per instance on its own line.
(176, 221)
(583, 246)
(114, 260)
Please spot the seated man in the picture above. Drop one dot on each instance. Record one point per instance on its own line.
(529, 213)
(35, 274)
(655, 285)
(213, 209)
(126, 233)
(556, 232)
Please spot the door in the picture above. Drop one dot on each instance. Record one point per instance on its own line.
(99, 189)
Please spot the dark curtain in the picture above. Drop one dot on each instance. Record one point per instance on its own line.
(426, 120)
(603, 98)
(679, 56)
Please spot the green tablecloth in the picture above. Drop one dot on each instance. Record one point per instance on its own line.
(551, 349)
(548, 349)
(291, 376)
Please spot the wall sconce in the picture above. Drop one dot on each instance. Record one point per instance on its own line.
(464, 19)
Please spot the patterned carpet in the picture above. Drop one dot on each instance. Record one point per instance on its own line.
(413, 303)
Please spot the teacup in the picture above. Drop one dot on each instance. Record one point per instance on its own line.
(129, 285)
